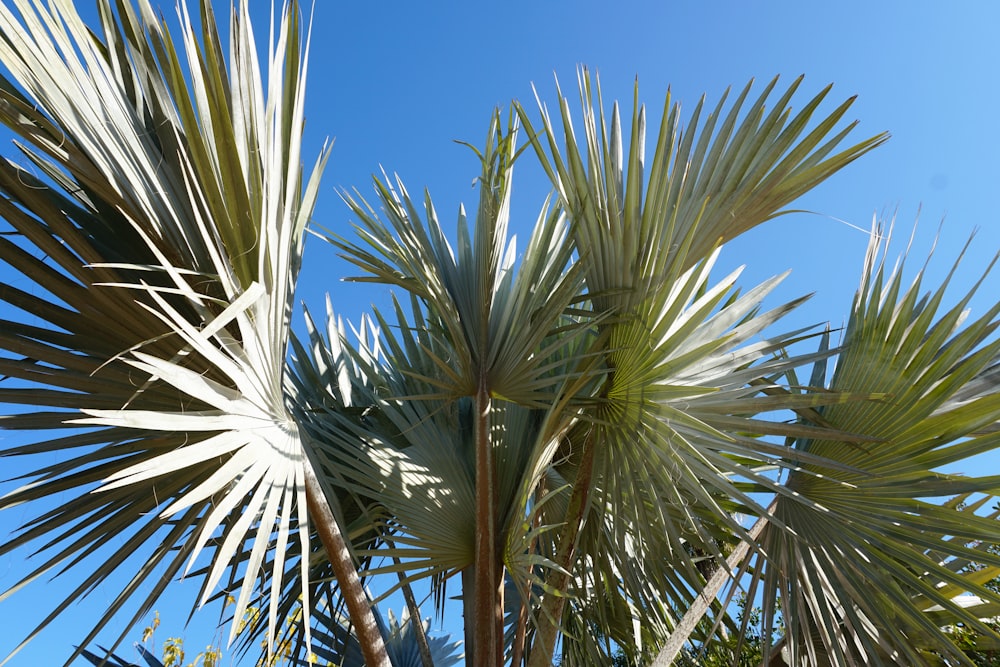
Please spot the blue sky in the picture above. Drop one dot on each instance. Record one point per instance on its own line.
(395, 83)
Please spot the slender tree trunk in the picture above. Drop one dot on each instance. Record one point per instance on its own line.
(521, 633)
(426, 659)
(358, 608)
(487, 649)
(701, 604)
(550, 615)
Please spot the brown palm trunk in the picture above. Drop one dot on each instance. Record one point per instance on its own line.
(487, 648)
(550, 616)
(358, 608)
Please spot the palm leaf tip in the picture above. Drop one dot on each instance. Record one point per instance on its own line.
(712, 179)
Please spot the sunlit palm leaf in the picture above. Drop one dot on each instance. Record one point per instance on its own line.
(674, 449)
(495, 310)
(412, 457)
(669, 430)
(705, 185)
(857, 571)
(167, 232)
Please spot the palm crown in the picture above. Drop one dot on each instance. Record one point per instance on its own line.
(578, 433)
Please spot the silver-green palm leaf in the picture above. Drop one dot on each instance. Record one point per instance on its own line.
(167, 230)
(635, 354)
(672, 434)
(858, 570)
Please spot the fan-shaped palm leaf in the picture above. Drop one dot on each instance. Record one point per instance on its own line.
(170, 211)
(859, 566)
(495, 322)
(339, 646)
(645, 245)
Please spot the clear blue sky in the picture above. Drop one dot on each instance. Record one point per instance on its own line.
(395, 83)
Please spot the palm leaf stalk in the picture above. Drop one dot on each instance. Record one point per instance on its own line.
(680, 635)
(166, 223)
(413, 610)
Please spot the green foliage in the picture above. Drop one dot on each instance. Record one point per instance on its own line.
(172, 653)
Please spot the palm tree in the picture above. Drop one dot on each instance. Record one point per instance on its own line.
(167, 225)
(578, 437)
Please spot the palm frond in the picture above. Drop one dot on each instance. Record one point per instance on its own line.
(165, 232)
(705, 185)
(339, 645)
(857, 570)
(494, 310)
(673, 426)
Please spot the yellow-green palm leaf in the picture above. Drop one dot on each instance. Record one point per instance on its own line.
(858, 569)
